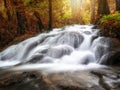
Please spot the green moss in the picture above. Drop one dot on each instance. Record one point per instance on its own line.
(111, 24)
(114, 16)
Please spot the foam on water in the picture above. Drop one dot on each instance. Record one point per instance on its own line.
(75, 47)
(58, 67)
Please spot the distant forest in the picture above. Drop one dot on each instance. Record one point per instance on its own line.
(25, 18)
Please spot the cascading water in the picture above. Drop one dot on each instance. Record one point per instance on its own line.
(69, 48)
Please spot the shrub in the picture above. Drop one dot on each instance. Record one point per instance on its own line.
(110, 25)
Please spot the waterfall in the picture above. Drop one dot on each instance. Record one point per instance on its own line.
(70, 47)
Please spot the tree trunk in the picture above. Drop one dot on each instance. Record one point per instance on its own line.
(11, 15)
(103, 7)
(39, 21)
(8, 5)
(50, 15)
(92, 11)
(21, 16)
(117, 5)
(21, 23)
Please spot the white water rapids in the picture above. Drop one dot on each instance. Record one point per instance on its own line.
(75, 47)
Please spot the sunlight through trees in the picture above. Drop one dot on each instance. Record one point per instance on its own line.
(18, 17)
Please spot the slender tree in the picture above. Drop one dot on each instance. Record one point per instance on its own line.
(50, 15)
(92, 11)
(8, 7)
(117, 5)
(39, 21)
(21, 17)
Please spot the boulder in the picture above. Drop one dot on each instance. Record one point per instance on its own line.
(99, 79)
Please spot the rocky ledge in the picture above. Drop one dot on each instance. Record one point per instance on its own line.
(99, 79)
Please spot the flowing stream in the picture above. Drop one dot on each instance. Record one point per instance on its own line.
(75, 47)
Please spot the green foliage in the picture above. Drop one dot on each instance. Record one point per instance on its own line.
(86, 17)
(111, 24)
(26, 1)
(115, 16)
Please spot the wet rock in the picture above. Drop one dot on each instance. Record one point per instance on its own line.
(36, 58)
(95, 27)
(112, 58)
(87, 32)
(99, 79)
(72, 38)
(25, 81)
(59, 51)
(109, 80)
(116, 44)
(100, 50)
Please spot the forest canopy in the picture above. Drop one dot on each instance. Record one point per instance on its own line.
(29, 17)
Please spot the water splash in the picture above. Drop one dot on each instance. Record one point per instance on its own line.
(70, 48)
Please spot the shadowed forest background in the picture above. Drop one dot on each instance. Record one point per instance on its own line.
(20, 19)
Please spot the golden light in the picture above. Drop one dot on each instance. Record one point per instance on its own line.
(80, 10)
